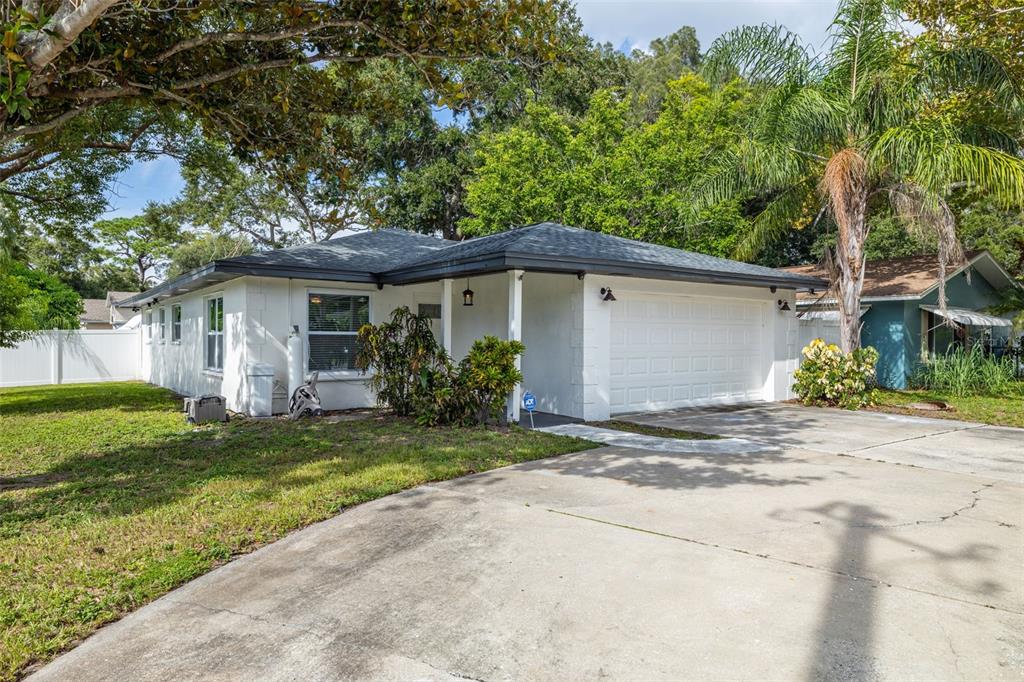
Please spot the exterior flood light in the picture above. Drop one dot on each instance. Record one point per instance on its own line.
(783, 305)
(606, 294)
(467, 296)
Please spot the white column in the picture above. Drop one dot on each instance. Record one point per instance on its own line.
(446, 315)
(515, 333)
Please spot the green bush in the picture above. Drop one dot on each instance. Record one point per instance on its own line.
(404, 356)
(828, 376)
(965, 372)
(414, 376)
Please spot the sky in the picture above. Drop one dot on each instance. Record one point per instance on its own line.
(627, 24)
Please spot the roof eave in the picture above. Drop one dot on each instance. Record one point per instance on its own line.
(218, 272)
(509, 260)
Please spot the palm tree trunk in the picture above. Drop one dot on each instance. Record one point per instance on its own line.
(850, 280)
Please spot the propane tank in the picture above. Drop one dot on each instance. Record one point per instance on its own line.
(295, 360)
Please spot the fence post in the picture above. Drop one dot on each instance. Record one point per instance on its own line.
(56, 357)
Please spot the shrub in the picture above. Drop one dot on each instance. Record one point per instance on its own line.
(414, 376)
(404, 356)
(965, 372)
(828, 376)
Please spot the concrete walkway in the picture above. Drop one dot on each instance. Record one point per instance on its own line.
(802, 562)
(640, 441)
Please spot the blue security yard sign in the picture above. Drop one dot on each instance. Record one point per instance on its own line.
(530, 404)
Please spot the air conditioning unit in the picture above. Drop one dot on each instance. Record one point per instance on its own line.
(205, 408)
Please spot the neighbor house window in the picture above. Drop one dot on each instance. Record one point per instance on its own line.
(334, 322)
(215, 333)
(175, 323)
(163, 324)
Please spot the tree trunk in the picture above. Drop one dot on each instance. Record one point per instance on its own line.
(850, 281)
(846, 183)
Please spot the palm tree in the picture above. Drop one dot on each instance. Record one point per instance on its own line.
(876, 116)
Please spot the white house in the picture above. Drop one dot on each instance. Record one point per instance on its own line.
(610, 325)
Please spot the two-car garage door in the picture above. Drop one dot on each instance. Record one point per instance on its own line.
(677, 351)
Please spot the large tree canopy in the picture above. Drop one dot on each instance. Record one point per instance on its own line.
(871, 119)
(607, 172)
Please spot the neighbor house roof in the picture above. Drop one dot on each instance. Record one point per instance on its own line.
(399, 257)
(113, 300)
(94, 311)
(911, 277)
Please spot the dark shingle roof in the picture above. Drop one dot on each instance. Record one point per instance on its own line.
(551, 241)
(399, 257)
(369, 252)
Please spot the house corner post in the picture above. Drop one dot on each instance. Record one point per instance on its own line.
(446, 315)
(515, 333)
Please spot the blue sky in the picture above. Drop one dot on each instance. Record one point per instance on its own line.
(627, 24)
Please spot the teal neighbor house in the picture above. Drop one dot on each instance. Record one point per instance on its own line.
(900, 311)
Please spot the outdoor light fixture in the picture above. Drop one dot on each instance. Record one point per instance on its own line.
(467, 295)
(773, 288)
(783, 305)
(315, 300)
(606, 294)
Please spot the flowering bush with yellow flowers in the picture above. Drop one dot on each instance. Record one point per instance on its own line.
(828, 376)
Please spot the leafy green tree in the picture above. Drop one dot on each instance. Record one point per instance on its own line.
(32, 301)
(871, 118)
(141, 242)
(995, 25)
(650, 73)
(608, 173)
(205, 249)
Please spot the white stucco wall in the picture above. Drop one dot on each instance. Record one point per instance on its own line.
(566, 329)
(180, 366)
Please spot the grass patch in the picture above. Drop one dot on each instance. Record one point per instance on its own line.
(648, 430)
(108, 500)
(1006, 409)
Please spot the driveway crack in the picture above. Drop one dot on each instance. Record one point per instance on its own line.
(976, 498)
(790, 562)
(926, 435)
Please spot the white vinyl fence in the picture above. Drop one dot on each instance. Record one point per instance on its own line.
(71, 357)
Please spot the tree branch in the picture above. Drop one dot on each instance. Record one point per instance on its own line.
(246, 37)
(42, 46)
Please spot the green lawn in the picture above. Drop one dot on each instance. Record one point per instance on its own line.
(1003, 410)
(108, 500)
(649, 430)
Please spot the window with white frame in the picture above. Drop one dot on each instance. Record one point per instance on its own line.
(334, 322)
(147, 330)
(162, 314)
(176, 323)
(215, 333)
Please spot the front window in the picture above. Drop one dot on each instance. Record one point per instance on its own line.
(163, 324)
(147, 330)
(175, 323)
(334, 322)
(215, 334)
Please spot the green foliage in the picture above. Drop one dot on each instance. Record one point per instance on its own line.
(205, 249)
(488, 373)
(405, 358)
(651, 72)
(964, 373)
(32, 301)
(609, 173)
(828, 376)
(414, 376)
(140, 243)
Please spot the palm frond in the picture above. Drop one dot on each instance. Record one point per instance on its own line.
(863, 43)
(772, 223)
(765, 54)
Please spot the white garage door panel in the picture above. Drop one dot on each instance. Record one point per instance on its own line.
(673, 351)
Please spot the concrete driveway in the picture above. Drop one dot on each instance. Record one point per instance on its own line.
(855, 546)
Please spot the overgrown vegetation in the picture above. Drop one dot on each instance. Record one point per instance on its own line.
(830, 377)
(413, 375)
(108, 500)
(961, 373)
